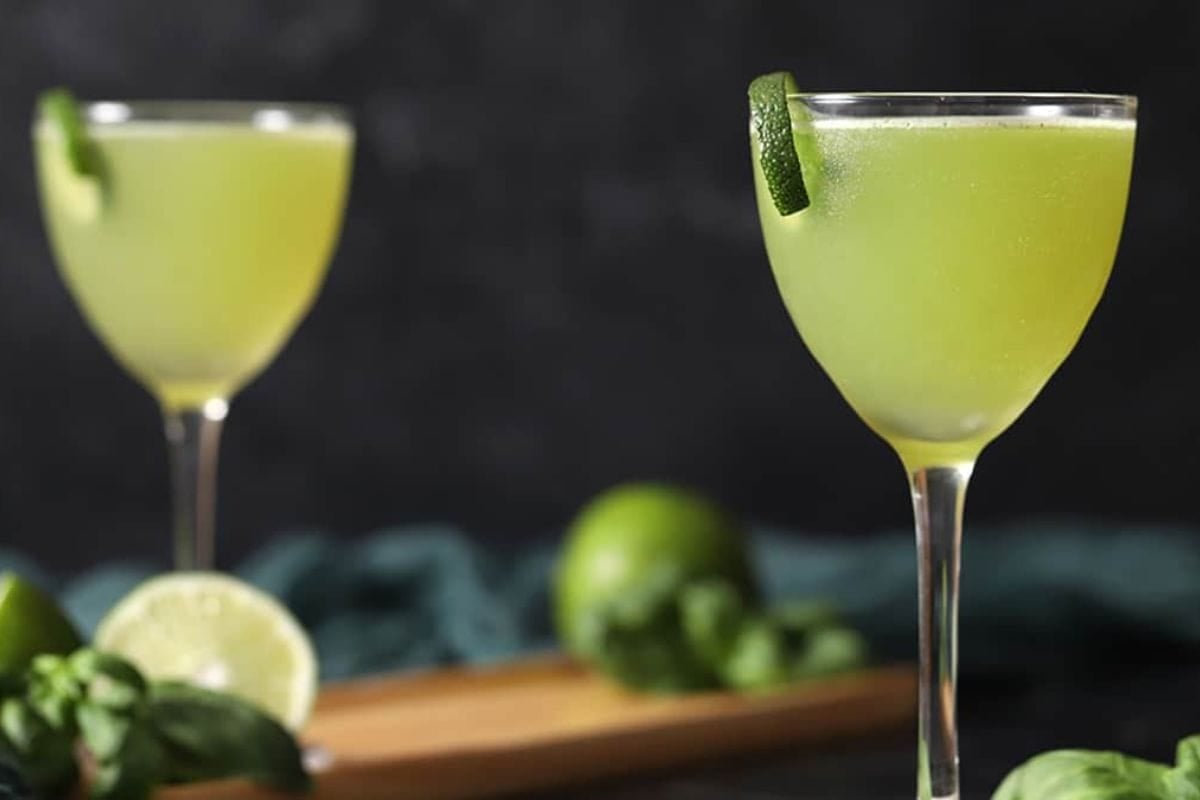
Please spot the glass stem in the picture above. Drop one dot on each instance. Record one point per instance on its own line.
(938, 495)
(192, 439)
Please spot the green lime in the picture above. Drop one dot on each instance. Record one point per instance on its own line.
(31, 623)
(72, 173)
(628, 535)
(772, 123)
(220, 633)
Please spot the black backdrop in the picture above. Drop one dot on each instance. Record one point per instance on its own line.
(551, 277)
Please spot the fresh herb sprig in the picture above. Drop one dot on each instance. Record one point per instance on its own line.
(138, 734)
(674, 635)
(1096, 775)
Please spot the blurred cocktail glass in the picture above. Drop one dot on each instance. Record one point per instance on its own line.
(194, 239)
(954, 247)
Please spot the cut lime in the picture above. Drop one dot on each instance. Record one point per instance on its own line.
(74, 174)
(218, 632)
(31, 623)
(772, 123)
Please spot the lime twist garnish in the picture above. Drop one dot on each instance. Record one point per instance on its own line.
(776, 148)
(59, 108)
(73, 171)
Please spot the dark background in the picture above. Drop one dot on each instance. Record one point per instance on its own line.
(551, 277)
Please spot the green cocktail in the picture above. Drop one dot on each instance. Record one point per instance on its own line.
(203, 245)
(946, 267)
(940, 256)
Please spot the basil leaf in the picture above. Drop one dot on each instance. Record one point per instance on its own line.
(206, 735)
(88, 664)
(1085, 775)
(753, 651)
(135, 771)
(713, 613)
(1183, 782)
(758, 658)
(46, 756)
(639, 640)
(828, 651)
(104, 731)
(109, 680)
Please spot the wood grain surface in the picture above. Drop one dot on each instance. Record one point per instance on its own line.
(535, 725)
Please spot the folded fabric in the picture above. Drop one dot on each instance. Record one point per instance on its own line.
(1036, 595)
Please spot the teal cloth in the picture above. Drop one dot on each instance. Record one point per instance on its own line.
(1035, 594)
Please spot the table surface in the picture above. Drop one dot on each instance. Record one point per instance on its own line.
(1141, 710)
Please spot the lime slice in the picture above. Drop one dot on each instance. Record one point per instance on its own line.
(772, 125)
(31, 623)
(74, 174)
(218, 632)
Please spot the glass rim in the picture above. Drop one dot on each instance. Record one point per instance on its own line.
(260, 114)
(1031, 104)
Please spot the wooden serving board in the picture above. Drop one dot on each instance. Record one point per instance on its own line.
(536, 725)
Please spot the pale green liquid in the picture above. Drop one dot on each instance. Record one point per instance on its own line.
(947, 267)
(210, 248)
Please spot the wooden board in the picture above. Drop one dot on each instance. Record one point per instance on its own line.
(460, 734)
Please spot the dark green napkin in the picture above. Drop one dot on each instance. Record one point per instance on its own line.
(1036, 595)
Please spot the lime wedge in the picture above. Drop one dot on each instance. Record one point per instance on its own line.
(31, 623)
(218, 632)
(772, 125)
(74, 176)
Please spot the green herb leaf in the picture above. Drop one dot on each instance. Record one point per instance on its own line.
(1085, 775)
(754, 651)
(207, 736)
(758, 660)
(1183, 781)
(639, 640)
(713, 613)
(108, 680)
(133, 774)
(46, 755)
(103, 730)
(829, 651)
(53, 692)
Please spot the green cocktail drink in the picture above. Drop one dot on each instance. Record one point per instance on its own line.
(940, 255)
(194, 237)
(946, 267)
(212, 246)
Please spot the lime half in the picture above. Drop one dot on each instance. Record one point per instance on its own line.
(218, 632)
(31, 623)
(772, 124)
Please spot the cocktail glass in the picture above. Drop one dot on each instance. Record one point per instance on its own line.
(954, 249)
(204, 246)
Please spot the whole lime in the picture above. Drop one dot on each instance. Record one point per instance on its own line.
(31, 624)
(627, 534)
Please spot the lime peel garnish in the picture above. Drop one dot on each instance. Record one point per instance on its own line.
(772, 124)
(77, 169)
(59, 108)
